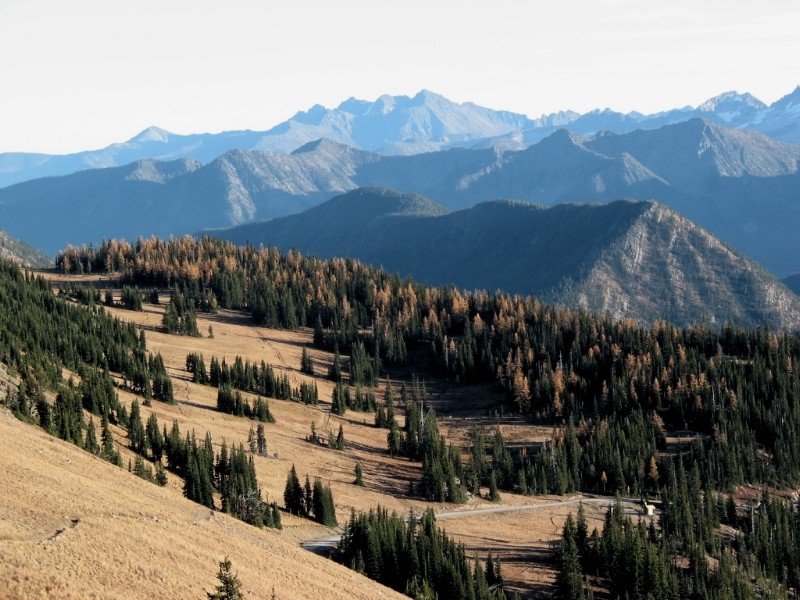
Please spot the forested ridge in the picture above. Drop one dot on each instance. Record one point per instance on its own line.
(612, 379)
(635, 409)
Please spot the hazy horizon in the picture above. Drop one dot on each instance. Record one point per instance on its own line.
(86, 74)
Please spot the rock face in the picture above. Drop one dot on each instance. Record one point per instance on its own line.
(667, 267)
(631, 259)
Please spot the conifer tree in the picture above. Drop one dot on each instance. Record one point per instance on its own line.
(136, 432)
(155, 439)
(161, 475)
(308, 498)
(293, 497)
(569, 581)
(306, 364)
(229, 586)
(322, 504)
(261, 440)
(359, 481)
(90, 444)
(494, 494)
(340, 443)
(335, 372)
(107, 450)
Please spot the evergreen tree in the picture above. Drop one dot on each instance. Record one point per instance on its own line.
(91, 445)
(359, 481)
(306, 364)
(261, 440)
(322, 504)
(335, 372)
(494, 493)
(136, 431)
(161, 475)
(155, 439)
(569, 582)
(107, 449)
(293, 496)
(229, 586)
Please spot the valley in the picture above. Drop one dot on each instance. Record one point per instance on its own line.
(517, 358)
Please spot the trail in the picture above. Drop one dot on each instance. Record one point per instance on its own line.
(290, 371)
(325, 544)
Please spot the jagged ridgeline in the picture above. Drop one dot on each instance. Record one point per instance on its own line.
(626, 387)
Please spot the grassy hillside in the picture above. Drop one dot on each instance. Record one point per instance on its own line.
(162, 544)
(609, 407)
(78, 527)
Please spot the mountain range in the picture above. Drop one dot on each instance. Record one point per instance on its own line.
(630, 259)
(407, 125)
(742, 186)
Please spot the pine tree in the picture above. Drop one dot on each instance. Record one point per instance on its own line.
(154, 437)
(306, 364)
(261, 440)
(308, 498)
(335, 372)
(322, 504)
(229, 587)
(293, 497)
(340, 443)
(90, 444)
(252, 444)
(136, 432)
(161, 475)
(494, 494)
(359, 476)
(107, 450)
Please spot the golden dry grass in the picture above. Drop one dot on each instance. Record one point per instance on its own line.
(74, 526)
(135, 539)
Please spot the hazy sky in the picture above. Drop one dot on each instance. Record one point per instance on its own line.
(85, 73)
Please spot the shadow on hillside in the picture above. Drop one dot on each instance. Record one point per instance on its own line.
(390, 477)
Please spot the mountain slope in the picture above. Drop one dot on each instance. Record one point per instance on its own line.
(78, 527)
(142, 198)
(740, 185)
(23, 254)
(336, 227)
(630, 259)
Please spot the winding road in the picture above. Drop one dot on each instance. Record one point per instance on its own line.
(325, 544)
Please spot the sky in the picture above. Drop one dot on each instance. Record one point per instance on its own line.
(83, 74)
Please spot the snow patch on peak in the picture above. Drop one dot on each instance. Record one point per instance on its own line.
(383, 105)
(152, 134)
(427, 97)
(729, 100)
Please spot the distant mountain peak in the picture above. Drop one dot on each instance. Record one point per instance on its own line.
(312, 116)
(424, 95)
(322, 144)
(732, 98)
(151, 134)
